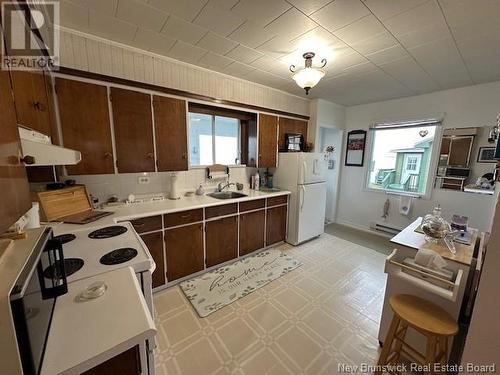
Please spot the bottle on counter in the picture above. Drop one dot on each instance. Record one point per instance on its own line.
(257, 181)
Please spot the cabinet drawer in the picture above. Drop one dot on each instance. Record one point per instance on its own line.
(252, 205)
(147, 224)
(183, 217)
(225, 209)
(274, 201)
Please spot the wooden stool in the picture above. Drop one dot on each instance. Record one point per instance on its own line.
(425, 317)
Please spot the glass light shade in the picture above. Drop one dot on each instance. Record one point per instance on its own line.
(308, 77)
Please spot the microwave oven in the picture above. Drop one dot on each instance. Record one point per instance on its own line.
(33, 298)
(294, 142)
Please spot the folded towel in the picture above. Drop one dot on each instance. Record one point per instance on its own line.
(430, 259)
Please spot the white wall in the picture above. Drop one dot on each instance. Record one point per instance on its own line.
(324, 114)
(332, 137)
(97, 55)
(463, 107)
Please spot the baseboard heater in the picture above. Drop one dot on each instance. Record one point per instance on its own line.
(384, 228)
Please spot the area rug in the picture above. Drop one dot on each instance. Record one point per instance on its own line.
(216, 289)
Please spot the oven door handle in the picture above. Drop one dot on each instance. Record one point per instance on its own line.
(59, 282)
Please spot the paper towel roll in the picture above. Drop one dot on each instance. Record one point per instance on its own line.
(405, 204)
(430, 259)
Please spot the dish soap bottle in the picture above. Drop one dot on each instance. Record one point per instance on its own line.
(257, 180)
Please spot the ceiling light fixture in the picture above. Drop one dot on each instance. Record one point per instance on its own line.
(308, 76)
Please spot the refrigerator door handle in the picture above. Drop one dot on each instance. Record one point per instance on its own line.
(304, 170)
(315, 167)
(302, 197)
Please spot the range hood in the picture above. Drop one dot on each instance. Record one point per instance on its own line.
(38, 150)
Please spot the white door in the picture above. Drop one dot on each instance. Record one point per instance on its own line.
(312, 168)
(411, 165)
(311, 210)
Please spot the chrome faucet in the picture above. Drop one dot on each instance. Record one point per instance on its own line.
(221, 186)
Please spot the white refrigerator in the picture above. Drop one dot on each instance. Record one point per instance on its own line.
(304, 175)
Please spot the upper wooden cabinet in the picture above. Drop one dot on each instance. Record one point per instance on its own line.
(84, 114)
(15, 199)
(31, 100)
(268, 142)
(133, 125)
(288, 125)
(171, 133)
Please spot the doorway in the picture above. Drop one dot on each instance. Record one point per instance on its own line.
(332, 137)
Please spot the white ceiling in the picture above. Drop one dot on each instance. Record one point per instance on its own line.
(376, 49)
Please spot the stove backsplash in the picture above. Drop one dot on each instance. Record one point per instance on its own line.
(106, 185)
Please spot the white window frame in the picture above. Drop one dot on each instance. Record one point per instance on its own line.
(436, 145)
(203, 166)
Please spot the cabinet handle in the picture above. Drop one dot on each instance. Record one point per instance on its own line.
(150, 155)
(139, 224)
(28, 159)
(108, 154)
(184, 156)
(185, 216)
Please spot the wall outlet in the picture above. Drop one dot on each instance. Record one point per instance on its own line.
(143, 180)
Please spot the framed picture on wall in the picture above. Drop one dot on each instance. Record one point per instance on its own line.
(355, 153)
(486, 155)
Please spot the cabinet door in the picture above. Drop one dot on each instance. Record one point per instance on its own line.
(31, 101)
(275, 225)
(133, 125)
(288, 125)
(268, 142)
(170, 133)
(125, 363)
(221, 240)
(154, 242)
(252, 226)
(460, 151)
(84, 114)
(15, 197)
(184, 249)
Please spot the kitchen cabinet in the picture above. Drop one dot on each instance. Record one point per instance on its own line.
(85, 125)
(268, 141)
(170, 133)
(32, 100)
(276, 225)
(126, 363)
(184, 250)
(14, 186)
(456, 150)
(133, 127)
(289, 125)
(221, 240)
(252, 228)
(154, 242)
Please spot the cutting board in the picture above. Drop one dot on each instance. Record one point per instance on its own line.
(59, 203)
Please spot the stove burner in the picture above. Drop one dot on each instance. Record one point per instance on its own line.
(65, 238)
(118, 256)
(107, 232)
(71, 265)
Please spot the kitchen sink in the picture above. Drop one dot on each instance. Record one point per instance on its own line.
(226, 195)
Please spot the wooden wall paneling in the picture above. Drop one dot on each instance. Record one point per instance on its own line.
(171, 133)
(133, 129)
(85, 125)
(268, 142)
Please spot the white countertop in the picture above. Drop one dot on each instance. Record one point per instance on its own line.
(85, 334)
(132, 211)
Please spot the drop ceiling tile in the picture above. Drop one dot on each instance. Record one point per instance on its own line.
(290, 24)
(387, 55)
(178, 28)
(238, 69)
(216, 43)
(153, 41)
(384, 9)
(244, 54)
(267, 79)
(261, 12)
(185, 9)
(111, 28)
(344, 60)
(218, 19)
(309, 6)
(340, 13)
(359, 30)
(107, 7)
(278, 47)
(73, 16)
(251, 35)
(186, 52)
(376, 43)
(141, 14)
(214, 61)
(408, 72)
(271, 65)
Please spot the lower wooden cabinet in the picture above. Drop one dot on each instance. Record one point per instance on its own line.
(184, 250)
(126, 363)
(276, 225)
(252, 225)
(154, 242)
(221, 241)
